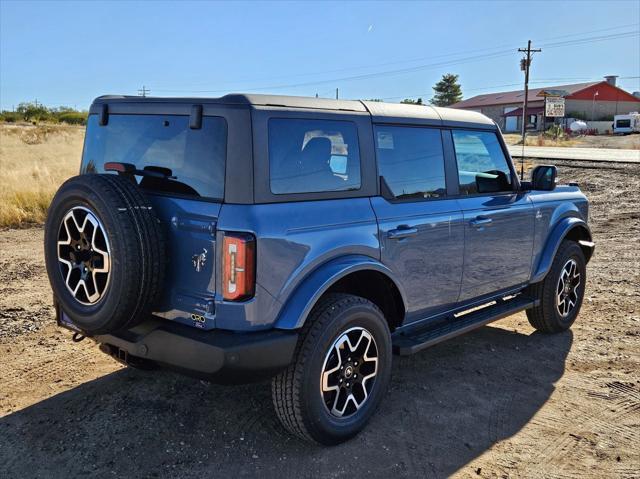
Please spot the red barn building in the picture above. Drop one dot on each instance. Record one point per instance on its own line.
(597, 101)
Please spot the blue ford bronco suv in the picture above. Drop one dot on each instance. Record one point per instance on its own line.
(304, 240)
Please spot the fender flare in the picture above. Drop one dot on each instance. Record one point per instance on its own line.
(298, 305)
(558, 234)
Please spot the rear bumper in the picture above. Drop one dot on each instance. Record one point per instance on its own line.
(220, 356)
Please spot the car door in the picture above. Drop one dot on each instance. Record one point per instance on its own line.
(498, 219)
(421, 229)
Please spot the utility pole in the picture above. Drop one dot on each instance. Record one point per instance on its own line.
(593, 105)
(336, 93)
(143, 91)
(525, 63)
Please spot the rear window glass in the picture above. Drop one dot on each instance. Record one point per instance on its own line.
(311, 156)
(411, 161)
(191, 161)
(623, 123)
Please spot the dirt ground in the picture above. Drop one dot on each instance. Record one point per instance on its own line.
(500, 402)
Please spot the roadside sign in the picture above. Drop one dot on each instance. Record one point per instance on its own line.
(554, 106)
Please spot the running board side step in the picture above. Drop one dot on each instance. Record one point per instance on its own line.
(410, 342)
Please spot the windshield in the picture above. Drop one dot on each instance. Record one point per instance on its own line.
(194, 159)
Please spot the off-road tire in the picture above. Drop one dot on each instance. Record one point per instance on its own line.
(545, 317)
(137, 251)
(296, 393)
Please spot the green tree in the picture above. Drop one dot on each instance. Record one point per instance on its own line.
(36, 112)
(72, 117)
(447, 91)
(10, 116)
(411, 101)
(33, 112)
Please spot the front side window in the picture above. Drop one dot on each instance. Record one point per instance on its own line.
(482, 166)
(312, 156)
(188, 162)
(411, 160)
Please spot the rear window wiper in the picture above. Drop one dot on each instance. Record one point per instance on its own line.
(129, 169)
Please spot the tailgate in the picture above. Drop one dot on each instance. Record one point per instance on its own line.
(189, 290)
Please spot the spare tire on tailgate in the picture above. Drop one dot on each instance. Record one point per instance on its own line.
(105, 252)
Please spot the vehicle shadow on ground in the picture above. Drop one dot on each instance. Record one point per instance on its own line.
(446, 406)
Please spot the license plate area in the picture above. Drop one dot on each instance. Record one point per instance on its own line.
(62, 319)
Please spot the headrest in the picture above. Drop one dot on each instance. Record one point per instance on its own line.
(319, 148)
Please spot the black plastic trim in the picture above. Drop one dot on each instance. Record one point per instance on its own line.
(410, 342)
(195, 119)
(217, 355)
(104, 114)
(450, 164)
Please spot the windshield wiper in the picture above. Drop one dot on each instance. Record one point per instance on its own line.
(129, 169)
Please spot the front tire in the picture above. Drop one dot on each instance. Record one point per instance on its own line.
(561, 292)
(340, 371)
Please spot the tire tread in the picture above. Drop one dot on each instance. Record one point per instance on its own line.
(286, 387)
(543, 317)
(142, 253)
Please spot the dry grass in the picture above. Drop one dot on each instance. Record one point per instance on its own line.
(535, 139)
(625, 142)
(34, 161)
(541, 140)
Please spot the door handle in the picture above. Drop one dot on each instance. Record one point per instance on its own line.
(402, 231)
(480, 221)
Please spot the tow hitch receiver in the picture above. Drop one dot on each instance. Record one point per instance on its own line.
(125, 358)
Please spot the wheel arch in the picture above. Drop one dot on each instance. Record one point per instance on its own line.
(571, 228)
(354, 274)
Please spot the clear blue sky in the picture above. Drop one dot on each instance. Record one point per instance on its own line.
(66, 53)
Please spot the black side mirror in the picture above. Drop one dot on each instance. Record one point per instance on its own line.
(543, 177)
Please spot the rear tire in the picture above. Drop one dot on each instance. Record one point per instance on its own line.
(561, 292)
(313, 396)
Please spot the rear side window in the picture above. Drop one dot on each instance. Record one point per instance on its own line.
(191, 161)
(312, 156)
(482, 166)
(411, 161)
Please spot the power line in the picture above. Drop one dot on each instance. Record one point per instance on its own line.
(432, 57)
(420, 67)
(580, 41)
(355, 77)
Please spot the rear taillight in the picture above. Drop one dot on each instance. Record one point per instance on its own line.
(238, 266)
